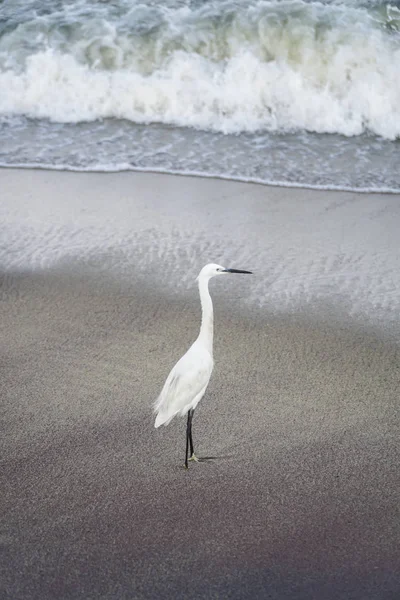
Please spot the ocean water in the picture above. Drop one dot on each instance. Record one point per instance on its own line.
(298, 93)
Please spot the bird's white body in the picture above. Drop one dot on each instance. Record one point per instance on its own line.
(187, 382)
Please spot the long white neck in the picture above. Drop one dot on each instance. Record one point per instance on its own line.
(206, 334)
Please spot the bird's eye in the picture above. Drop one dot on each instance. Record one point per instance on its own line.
(218, 269)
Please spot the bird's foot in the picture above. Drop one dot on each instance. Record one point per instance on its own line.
(194, 458)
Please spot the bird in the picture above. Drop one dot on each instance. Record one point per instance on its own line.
(187, 382)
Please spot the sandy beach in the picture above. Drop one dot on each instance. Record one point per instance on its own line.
(98, 300)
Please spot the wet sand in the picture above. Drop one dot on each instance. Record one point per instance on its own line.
(300, 499)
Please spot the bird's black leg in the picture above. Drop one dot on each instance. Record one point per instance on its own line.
(190, 415)
(192, 454)
(187, 439)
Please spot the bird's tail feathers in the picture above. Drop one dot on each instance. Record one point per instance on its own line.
(157, 403)
(158, 420)
(163, 419)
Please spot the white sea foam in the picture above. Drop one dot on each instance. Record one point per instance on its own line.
(271, 66)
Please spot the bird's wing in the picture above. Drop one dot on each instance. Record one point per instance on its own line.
(187, 380)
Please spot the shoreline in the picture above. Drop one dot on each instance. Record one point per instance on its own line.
(194, 174)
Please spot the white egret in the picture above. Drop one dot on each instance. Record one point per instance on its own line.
(188, 380)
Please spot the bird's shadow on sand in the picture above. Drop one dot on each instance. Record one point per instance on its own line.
(212, 458)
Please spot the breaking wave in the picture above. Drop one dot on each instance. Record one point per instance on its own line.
(226, 67)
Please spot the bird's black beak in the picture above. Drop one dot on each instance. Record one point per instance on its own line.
(237, 271)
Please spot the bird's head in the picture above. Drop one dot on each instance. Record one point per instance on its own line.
(212, 269)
